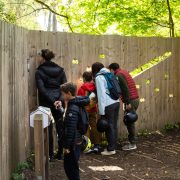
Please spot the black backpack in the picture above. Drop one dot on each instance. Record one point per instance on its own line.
(83, 123)
(113, 85)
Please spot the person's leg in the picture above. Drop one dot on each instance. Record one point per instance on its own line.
(58, 117)
(95, 136)
(60, 131)
(71, 165)
(115, 122)
(51, 148)
(131, 133)
(110, 135)
(131, 129)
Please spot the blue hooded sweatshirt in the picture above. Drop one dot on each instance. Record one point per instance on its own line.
(104, 99)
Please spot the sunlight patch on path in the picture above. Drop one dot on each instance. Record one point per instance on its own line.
(105, 168)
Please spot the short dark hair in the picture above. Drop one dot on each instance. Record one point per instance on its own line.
(114, 66)
(47, 54)
(87, 76)
(96, 67)
(69, 87)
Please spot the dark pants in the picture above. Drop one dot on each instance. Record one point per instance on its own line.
(111, 114)
(58, 117)
(71, 165)
(131, 127)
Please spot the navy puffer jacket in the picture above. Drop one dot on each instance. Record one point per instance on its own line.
(72, 135)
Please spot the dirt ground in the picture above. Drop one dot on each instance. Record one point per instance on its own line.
(157, 158)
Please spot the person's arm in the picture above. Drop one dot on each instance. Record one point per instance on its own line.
(81, 92)
(124, 88)
(101, 93)
(64, 78)
(71, 127)
(41, 88)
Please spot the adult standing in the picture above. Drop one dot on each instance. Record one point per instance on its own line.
(49, 76)
(129, 97)
(108, 108)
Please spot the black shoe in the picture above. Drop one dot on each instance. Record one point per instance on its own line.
(96, 148)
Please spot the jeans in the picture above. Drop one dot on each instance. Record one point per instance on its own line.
(131, 127)
(112, 114)
(58, 117)
(71, 165)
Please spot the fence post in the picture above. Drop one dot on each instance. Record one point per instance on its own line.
(41, 148)
(46, 147)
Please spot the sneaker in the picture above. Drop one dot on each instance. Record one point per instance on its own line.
(129, 147)
(89, 151)
(108, 153)
(96, 149)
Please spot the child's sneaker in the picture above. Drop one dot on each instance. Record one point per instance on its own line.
(89, 151)
(129, 147)
(96, 149)
(108, 153)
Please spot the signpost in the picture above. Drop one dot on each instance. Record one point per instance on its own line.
(40, 120)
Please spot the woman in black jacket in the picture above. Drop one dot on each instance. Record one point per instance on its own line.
(49, 76)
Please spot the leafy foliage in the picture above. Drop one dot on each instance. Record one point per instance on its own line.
(17, 175)
(123, 17)
(6, 15)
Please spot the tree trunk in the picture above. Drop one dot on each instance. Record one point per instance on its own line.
(49, 21)
(54, 23)
(171, 22)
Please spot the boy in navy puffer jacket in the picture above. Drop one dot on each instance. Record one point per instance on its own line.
(72, 136)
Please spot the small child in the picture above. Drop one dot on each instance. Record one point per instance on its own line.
(72, 136)
(88, 89)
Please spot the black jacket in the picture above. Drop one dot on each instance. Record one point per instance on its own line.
(49, 76)
(71, 133)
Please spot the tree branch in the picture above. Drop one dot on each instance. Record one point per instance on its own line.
(171, 22)
(31, 13)
(162, 25)
(22, 4)
(50, 9)
(54, 12)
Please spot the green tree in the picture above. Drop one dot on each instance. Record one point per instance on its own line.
(123, 17)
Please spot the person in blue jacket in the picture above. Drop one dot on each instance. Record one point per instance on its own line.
(108, 108)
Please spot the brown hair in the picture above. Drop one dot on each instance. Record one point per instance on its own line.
(87, 76)
(96, 67)
(69, 87)
(47, 54)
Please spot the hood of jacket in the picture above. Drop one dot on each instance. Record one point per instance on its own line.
(103, 71)
(88, 86)
(51, 69)
(80, 101)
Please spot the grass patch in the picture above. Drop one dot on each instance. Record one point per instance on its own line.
(21, 167)
(171, 127)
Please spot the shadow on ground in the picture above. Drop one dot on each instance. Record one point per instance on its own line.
(157, 157)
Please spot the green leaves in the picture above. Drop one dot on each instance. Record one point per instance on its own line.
(124, 17)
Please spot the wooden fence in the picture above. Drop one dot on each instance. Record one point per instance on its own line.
(75, 52)
(14, 108)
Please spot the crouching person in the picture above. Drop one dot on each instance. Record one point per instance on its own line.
(72, 135)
